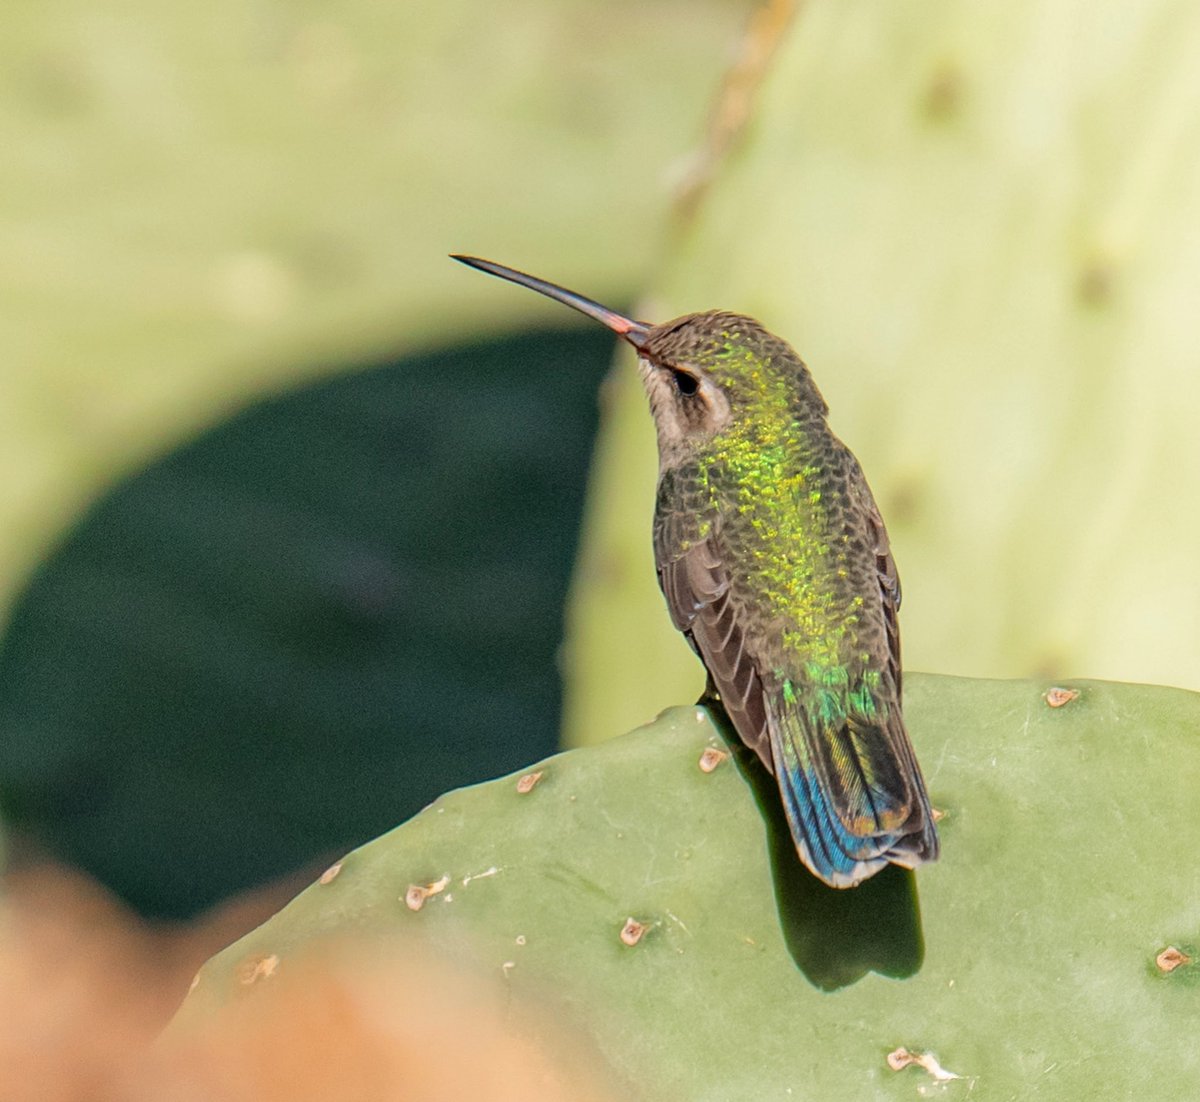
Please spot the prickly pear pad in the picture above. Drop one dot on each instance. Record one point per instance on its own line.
(640, 888)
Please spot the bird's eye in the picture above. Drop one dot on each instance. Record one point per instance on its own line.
(685, 383)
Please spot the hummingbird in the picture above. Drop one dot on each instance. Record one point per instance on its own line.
(776, 567)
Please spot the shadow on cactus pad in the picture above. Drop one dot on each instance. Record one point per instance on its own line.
(835, 936)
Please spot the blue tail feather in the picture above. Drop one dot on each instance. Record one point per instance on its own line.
(836, 855)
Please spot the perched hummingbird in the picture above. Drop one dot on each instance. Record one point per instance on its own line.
(776, 567)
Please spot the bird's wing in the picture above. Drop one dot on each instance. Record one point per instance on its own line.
(696, 584)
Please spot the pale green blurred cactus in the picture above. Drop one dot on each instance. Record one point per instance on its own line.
(205, 204)
(976, 224)
(1035, 965)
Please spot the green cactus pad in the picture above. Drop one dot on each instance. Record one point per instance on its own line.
(1069, 866)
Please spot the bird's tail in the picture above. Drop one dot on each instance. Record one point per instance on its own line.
(853, 792)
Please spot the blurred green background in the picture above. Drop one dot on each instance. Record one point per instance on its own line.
(980, 226)
(289, 500)
(291, 503)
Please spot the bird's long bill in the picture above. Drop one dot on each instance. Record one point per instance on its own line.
(635, 332)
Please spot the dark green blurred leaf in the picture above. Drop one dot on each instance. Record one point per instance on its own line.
(294, 632)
